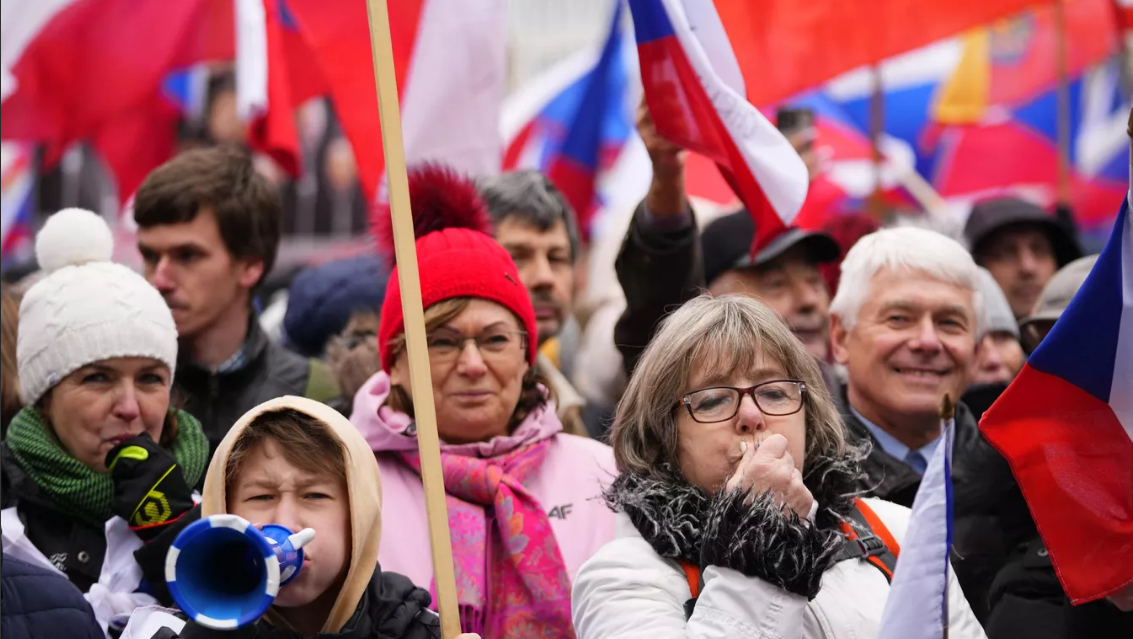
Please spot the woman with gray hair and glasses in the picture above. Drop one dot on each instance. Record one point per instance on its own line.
(737, 509)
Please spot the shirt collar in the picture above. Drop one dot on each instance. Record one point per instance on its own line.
(891, 444)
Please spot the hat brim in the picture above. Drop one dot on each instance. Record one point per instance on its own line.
(820, 247)
(1065, 247)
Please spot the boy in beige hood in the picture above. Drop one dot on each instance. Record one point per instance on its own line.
(300, 464)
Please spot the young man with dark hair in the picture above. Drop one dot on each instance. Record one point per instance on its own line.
(208, 232)
(300, 464)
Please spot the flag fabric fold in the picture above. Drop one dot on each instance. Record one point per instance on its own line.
(576, 162)
(1065, 425)
(917, 605)
(696, 96)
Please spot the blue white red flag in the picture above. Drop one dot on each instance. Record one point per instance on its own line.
(696, 96)
(1065, 425)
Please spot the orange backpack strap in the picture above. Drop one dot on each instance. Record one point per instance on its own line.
(692, 573)
(875, 545)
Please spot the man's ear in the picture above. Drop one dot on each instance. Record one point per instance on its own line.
(839, 340)
(251, 271)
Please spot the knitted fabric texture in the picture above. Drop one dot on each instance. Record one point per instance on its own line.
(526, 591)
(72, 485)
(87, 309)
(459, 262)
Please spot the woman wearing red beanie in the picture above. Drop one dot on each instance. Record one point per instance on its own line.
(524, 498)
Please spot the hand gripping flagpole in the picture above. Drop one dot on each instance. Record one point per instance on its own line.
(420, 379)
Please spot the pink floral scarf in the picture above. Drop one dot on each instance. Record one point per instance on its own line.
(526, 592)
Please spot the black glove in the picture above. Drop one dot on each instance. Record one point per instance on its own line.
(149, 488)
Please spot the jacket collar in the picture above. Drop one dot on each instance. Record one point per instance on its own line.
(255, 344)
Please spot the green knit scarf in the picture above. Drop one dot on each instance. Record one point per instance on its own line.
(71, 484)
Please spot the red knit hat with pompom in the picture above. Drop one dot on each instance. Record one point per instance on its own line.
(456, 255)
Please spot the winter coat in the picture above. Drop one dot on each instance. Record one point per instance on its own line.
(39, 603)
(629, 591)
(659, 271)
(271, 371)
(391, 608)
(100, 562)
(1026, 600)
(568, 485)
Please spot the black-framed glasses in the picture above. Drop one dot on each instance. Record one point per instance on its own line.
(446, 346)
(776, 398)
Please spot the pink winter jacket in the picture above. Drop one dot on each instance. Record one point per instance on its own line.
(569, 485)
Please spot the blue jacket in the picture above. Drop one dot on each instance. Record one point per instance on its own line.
(41, 604)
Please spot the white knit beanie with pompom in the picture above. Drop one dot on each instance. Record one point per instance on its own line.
(87, 308)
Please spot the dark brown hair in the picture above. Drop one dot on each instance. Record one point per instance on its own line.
(224, 180)
(10, 402)
(305, 442)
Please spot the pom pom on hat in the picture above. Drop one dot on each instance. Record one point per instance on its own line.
(72, 237)
(441, 199)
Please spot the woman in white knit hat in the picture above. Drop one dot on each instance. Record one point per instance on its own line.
(98, 465)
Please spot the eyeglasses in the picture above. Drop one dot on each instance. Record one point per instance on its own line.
(776, 398)
(447, 347)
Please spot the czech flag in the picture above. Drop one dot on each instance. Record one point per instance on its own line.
(1065, 425)
(695, 93)
(576, 162)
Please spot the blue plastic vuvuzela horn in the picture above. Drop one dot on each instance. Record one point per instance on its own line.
(224, 573)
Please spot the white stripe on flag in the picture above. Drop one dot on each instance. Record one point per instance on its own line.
(769, 157)
(1121, 392)
(917, 606)
(456, 83)
(20, 23)
(251, 60)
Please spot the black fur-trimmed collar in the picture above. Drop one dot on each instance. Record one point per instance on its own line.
(739, 531)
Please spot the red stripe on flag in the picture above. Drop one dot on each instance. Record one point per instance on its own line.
(274, 133)
(576, 181)
(1072, 459)
(683, 114)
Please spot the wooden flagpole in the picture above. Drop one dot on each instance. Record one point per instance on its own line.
(1062, 108)
(420, 378)
(876, 130)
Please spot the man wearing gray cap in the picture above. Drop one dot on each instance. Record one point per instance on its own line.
(1055, 298)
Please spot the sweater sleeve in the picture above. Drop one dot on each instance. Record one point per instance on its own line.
(626, 591)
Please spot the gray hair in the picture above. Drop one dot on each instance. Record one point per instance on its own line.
(905, 248)
(730, 332)
(529, 196)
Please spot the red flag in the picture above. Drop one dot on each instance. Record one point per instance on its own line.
(81, 76)
(791, 45)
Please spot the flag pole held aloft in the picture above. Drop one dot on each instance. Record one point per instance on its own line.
(420, 378)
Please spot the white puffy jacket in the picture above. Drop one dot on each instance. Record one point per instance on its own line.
(627, 591)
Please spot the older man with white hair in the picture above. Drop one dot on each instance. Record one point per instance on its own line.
(906, 324)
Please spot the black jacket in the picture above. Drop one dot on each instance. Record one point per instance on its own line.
(391, 608)
(40, 604)
(271, 371)
(1026, 600)
(73, 545)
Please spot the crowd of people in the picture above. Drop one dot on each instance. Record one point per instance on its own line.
(748, 474)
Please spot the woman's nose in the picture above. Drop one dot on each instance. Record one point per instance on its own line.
(126, 407)
(749, 419)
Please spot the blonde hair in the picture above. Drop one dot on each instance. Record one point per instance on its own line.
(730, 332)
(531, 395)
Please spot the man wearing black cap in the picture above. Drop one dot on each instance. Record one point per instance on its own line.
(1021, 245)
(665, 261)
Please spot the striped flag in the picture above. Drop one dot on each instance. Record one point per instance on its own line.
(696, 96)
(1065, 425)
